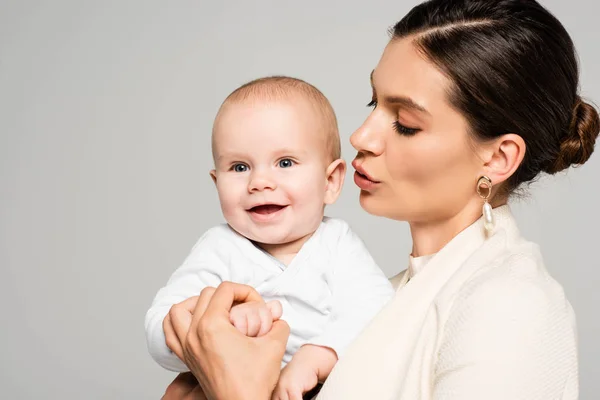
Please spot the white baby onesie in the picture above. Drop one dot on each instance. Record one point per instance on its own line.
(329, 292)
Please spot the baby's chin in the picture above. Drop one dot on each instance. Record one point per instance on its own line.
(273, 238)
(270, 235)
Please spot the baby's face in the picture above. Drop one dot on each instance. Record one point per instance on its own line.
(270, 169)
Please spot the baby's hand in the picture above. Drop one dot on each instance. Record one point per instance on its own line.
(295, 380)
(255, 319)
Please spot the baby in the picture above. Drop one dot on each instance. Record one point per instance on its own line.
(276, 150)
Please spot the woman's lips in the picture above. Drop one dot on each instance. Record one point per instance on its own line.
(363, 182)
(362, 178)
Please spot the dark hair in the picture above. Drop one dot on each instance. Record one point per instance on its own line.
(514, 70)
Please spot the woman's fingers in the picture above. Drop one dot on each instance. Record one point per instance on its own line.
(180, 318)
(227, 363)
(279, 334)
(226, 296)
(181, 387)
(197, 394)
(203, 300)
(171, 339)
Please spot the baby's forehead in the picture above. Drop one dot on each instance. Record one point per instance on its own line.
(296, 106)
(281, 117)
(269, 130)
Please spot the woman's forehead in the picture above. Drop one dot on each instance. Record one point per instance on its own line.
(403, 70)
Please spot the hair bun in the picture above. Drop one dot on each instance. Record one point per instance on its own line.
(578, 145)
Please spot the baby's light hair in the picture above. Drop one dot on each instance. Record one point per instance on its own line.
(275, 88)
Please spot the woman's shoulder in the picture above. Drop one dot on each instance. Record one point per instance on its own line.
(511, 321)
(514, 283)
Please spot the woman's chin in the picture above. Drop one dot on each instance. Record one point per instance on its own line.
(379, 207)
(369, 203)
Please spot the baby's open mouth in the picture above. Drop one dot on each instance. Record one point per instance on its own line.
(266, 209)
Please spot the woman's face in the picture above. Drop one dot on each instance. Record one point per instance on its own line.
(415, 161)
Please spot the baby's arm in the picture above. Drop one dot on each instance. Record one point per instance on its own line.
(202, 268)
(310, 365)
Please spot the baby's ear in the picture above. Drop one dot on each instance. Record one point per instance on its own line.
(336, 171)
(213, 175)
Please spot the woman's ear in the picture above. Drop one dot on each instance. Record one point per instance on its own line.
(503, 156)
(335, 173)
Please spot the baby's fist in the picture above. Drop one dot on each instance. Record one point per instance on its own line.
(256, 318)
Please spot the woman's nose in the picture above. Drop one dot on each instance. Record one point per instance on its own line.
(369, 137)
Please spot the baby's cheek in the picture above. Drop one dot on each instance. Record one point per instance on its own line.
(230, 192)
(310, 192)
(232, 210)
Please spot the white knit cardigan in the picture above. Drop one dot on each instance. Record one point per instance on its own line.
(483, 320)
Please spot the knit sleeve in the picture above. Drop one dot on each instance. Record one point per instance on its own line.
(509, 335)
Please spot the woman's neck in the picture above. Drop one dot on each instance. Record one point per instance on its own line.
(429, 237)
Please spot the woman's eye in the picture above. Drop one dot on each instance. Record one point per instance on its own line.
(404, 130)
(240, 168)
(372, 103)
(286, 163)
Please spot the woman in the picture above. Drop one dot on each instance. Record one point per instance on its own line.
(472, 99)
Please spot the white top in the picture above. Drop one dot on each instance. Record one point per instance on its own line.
(482, 320)
(329, 292)
(416, 264)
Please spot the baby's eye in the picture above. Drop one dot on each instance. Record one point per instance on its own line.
(286, 163)
(240, 168)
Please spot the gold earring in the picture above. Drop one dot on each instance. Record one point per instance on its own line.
(484, 190)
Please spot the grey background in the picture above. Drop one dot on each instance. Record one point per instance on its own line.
(105, 114)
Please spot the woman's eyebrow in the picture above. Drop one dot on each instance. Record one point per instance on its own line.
(404, 101)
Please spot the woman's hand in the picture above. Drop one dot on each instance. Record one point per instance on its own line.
(228, 364)
(182, 312)
(184, 387)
